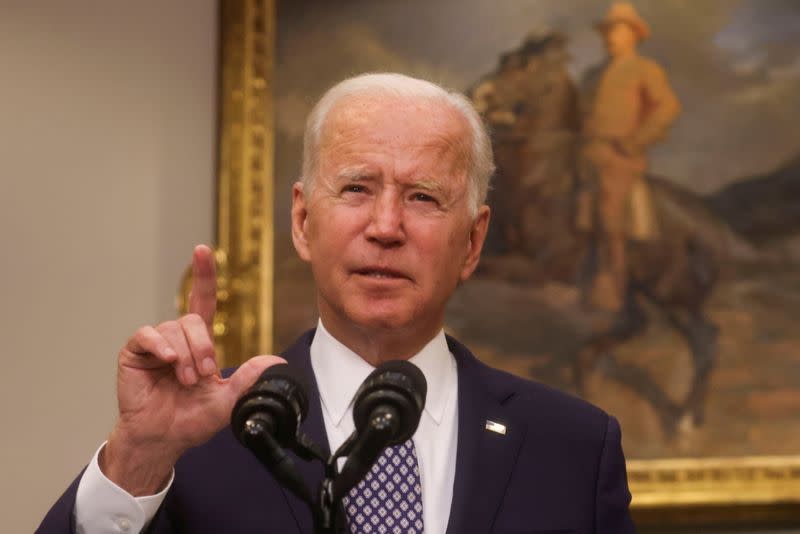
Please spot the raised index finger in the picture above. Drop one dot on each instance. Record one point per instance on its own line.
(203, 296)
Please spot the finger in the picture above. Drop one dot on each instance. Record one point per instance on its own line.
(147, 341)
(203, 296)
(246, 375)
(184, 364)
(200, 344)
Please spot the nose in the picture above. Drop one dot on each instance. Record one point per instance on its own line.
(386, 226)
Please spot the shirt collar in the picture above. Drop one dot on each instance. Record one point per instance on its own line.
(339, 372)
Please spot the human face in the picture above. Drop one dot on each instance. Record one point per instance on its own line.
(387, 227)
(620, 39)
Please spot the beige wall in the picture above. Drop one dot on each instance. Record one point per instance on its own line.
(106, 181)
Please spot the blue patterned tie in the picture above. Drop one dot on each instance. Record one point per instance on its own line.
(388, 500)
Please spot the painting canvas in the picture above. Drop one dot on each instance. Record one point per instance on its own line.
(704, 362)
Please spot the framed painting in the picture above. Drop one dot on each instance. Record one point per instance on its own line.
(699, 357)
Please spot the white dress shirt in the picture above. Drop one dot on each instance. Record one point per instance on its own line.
(101, 506)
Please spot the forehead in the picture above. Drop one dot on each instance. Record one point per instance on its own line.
(395, 121)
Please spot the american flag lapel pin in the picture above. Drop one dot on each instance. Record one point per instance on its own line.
(497, 428)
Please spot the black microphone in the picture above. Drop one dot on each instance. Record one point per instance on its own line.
(266, 419)
(386, 412)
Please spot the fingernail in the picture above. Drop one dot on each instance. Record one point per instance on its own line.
(208, 366)
(169, 353)
(190, 375)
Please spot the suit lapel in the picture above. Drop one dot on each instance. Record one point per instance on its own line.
(314, 427)
(484, 459)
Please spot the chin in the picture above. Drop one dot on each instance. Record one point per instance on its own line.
(380, 315)
(378, 320)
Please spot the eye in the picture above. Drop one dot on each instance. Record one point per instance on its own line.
(354, 188)
(422, 197)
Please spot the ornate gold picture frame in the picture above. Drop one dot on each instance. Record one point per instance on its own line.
(688, 491)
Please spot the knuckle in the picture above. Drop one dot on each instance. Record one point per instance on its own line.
(168, 327)
(143, 332)
(192, 319)
(204, 348)
(140, 337)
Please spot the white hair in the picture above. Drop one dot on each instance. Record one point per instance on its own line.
(481, 162)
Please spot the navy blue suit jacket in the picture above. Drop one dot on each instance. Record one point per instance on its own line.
(558, 469)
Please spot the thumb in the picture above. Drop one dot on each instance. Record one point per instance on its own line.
(247, 373)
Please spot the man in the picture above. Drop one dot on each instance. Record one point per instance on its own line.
(629, 106)
(390, 214)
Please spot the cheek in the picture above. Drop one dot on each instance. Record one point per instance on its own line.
(332, 232)
(446, 246)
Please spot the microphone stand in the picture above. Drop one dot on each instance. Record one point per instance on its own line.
(326, 508)
(259, 440)
(336, 484)
(362, 450)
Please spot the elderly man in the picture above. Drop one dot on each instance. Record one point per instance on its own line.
(390, 214)
(628, 106)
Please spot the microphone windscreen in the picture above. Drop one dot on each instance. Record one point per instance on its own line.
(287, 372)
(280, 394)
(396, 383)
(410, 371)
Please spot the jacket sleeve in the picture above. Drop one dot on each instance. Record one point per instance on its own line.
(663, 106)
(59, 520)
(612, 497)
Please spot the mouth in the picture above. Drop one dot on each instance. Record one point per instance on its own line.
(381, 273)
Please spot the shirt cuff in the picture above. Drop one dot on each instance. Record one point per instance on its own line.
(102, 506)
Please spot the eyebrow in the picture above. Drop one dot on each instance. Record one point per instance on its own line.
(355, 173)
(361, 173)
(428, 185)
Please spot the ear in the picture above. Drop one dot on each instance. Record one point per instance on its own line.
(299, 220)
(477, 236)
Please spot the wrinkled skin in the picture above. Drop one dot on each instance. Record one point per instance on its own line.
(387, 225)
(169, 391)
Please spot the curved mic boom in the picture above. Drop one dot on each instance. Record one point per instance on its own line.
(386, 412)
